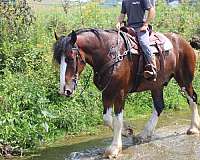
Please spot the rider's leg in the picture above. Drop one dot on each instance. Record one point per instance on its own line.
(150, 68)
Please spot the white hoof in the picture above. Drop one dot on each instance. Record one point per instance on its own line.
(112, 152)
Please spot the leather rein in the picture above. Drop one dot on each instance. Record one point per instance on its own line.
(118, 58)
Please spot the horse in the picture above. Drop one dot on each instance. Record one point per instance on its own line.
(115, 79)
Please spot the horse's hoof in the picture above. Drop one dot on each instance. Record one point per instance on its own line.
(112, 152)
(145, 135)
(140, 139)
(192, 131)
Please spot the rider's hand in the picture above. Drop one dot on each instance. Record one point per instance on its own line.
(118, 25)
(144, 28)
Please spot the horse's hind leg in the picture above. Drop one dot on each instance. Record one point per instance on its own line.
(192, 101)
(158, 106)
(184, 77)
(191, 96)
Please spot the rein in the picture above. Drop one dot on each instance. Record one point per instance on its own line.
(86, 83)
(118, 58)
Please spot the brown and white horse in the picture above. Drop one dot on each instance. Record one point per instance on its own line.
(98, 48)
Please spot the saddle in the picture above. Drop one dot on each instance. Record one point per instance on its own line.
(158, 42)
(160, 45)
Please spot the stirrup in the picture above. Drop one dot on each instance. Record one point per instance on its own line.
(150, 72)
(150, 75)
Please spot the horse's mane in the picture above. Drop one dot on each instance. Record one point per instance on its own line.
(95, 31)
(60, 45)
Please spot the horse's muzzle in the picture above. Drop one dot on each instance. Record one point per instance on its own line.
(66, 93)
(68, 90)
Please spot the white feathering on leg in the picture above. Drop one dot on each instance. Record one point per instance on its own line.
(108, 119)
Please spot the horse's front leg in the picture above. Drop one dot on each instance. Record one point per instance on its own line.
(116, 146)
(107, 111)
(158, 107)
(108, 117)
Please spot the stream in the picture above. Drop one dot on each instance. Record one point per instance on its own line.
(169, 142)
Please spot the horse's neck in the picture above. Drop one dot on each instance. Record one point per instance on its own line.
(95, 54)
(96, 58)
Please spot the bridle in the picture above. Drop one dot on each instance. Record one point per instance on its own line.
(78, 57)
(116, 59)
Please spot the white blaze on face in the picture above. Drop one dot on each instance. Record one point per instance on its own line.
(63, 67)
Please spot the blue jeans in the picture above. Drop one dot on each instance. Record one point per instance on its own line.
(143, 38)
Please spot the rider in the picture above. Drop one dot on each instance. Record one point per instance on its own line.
(135, 11)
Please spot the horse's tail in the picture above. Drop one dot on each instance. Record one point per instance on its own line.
(185, 64)
(187, 61)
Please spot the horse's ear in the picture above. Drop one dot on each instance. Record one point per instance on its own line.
(56, 36)
(73, 37)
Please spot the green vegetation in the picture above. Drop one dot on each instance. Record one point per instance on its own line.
(31, 110)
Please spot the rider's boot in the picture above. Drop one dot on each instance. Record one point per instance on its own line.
(150, 71)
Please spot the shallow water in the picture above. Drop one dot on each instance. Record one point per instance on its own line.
(169, 142)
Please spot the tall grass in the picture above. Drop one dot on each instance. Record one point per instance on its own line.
(31, 110)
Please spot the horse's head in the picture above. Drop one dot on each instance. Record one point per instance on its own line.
(71, 60)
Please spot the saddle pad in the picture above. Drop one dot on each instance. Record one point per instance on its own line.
(166, 46)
